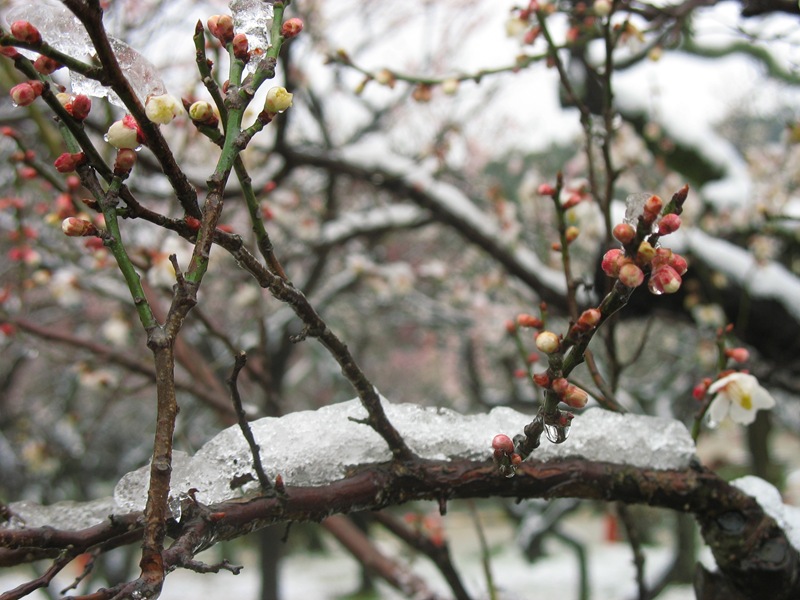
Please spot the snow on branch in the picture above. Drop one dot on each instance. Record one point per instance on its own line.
(313, 448)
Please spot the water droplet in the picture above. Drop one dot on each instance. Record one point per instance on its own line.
(557, 434)
(712, 424)
(174, 505)
(654, 287)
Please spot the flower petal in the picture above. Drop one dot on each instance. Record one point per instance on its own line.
(719, 408)
(741, 415)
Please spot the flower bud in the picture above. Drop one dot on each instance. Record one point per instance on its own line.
(66, 163)
(386, 77)
(624, 232)
(278, 100)
(547, 342)
(126, 158)
(575, 397)
(291, 28)
(664, 280)
(699, 391)
(525, 320)
(541, 379)
(652, 208)
(74, 227)
(124, 133)
(25, 32)
(80, 107)
(23, 94)
(503, 443)
(610, 263)
(9, 52)
(162, 109)
(221, 27)
(241, 47)
(46, 65)
(669, 224)
(677, 262)
(590, 318)
(560, 386)
(193, 222)
(571, 233)
(546, 189)
(450, 86)
(630, 275)
(422, 93)
(602, 8)
(202, 112)
(645, 253)
(739, 355)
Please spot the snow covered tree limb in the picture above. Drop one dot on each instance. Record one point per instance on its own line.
(751, 551)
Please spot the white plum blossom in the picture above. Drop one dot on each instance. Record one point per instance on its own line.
(163, 108)
(738, 396)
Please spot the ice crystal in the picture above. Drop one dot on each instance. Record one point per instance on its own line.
(254, 19)
(64, 32)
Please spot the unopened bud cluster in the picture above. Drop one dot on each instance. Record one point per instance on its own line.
(23, 94)
(505, 455)
(630, 264)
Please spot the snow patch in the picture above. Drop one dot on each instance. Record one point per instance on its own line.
(767, 495)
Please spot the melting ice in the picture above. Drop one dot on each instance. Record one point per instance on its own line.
(64, 32)
(317, 447)
(254, 19)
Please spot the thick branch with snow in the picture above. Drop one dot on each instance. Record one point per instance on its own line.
(331, 463)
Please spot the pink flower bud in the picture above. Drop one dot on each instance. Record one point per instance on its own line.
(193, 222)
(677, 262)
(23, 94)
(511, 327)
(241, 47)
(575, 397)
(547, 342)
(546, 189)
(9, 51)
(739, 355)
(74, 227)
(652, 208)
(291, 28)
(590, 318)
(25, 32)
(664, 280)
(624, 233)
(541, 379)
(126, 158)
(503, 443)
(699, 391)
(46, 65)
(669, 224)
(610, 264)
(66, 163)
(221, 27)
(525, 320)
(560, 386)
(80, 107)
(630, 275)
